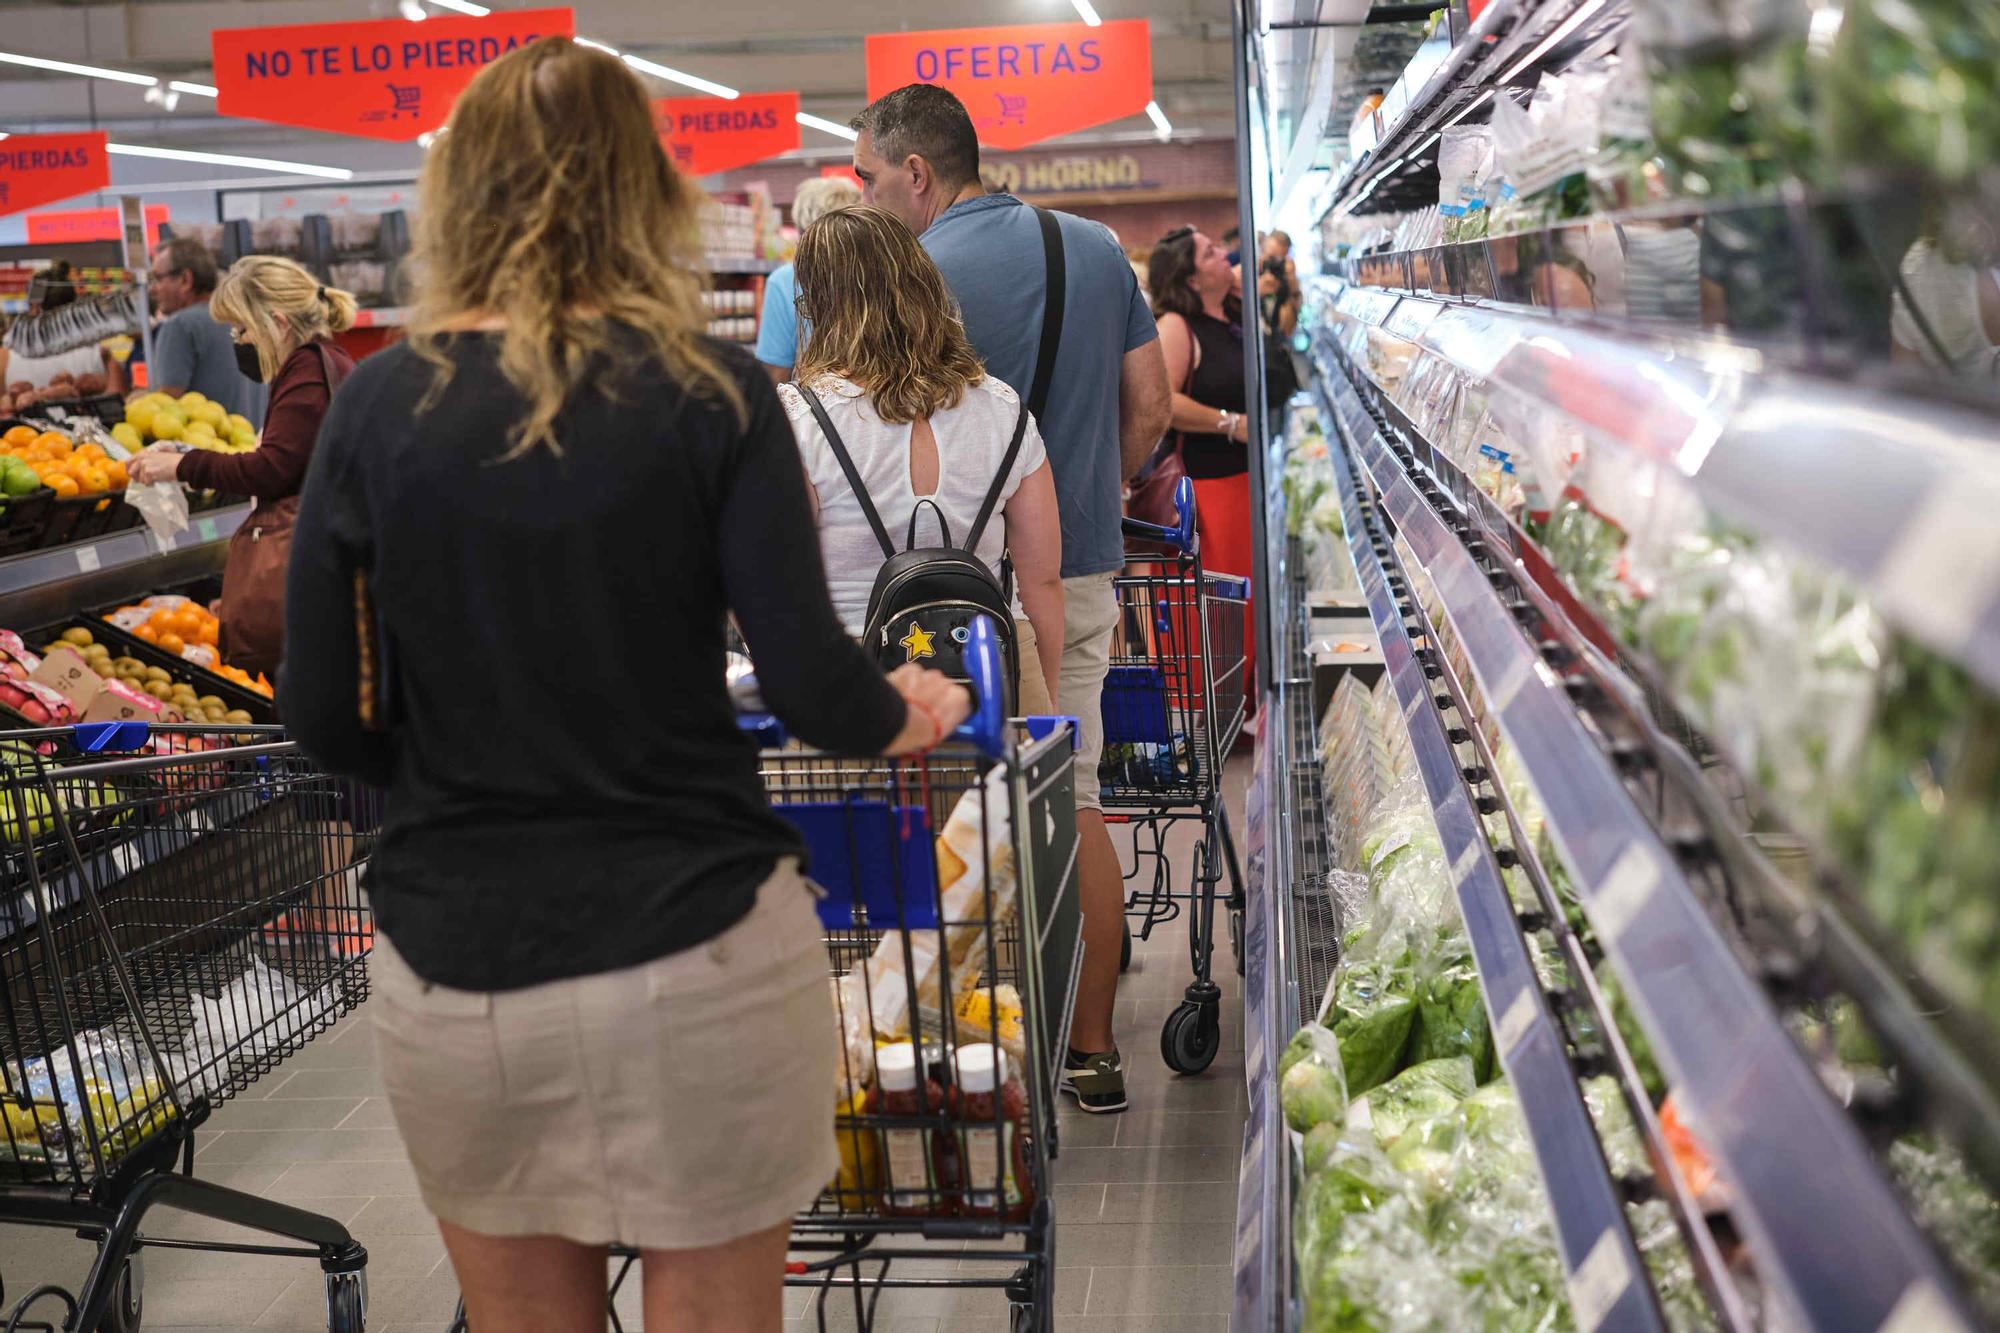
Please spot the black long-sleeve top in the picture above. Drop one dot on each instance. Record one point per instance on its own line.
(568, 792)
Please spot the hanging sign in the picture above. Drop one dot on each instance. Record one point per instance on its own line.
(58, 227)
(38, 169)
(1026, 83)
(704, 135)
(379, 79)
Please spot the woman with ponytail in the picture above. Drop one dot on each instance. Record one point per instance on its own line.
(283, 321)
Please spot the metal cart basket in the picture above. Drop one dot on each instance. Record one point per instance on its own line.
(1174, 705)
(179, 911)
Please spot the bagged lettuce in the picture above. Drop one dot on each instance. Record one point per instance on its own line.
(1421, 1092)
(1312, 1087)
(1451, 1020)
(1372, 1013)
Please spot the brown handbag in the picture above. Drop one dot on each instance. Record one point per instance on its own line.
(253, 576)
(1150, 496)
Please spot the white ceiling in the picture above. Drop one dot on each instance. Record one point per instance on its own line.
(811, 45)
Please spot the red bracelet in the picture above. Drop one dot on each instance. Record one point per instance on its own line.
(936, 724)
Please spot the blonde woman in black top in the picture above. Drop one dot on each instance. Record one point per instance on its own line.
(600, 991)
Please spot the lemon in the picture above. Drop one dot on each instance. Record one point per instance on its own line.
(168, 425)
(193, 399)
(209, 413)
(139, 415)
(244, 439)
(197, 430)
(239, 423)
(128, 434)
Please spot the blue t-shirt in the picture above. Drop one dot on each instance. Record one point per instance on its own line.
(990, 250)
(778, 332)
(191, 350)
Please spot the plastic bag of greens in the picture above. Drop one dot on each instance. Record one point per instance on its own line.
(1465, 162)
(1701, 122)
(1451, 1019)
(1372, 1013)
(1915, 85)
(1420, 1092)
(1312, 1087)
(1956, 1209)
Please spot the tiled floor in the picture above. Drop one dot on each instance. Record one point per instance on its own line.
(1145, 1201)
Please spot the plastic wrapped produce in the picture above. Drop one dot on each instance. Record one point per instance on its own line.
(1465, 163)
(1451, 1019)
(1372, 1014)
(1915, 85)
(1433, 1088)
(1311, 1085)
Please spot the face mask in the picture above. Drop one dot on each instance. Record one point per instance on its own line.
(248, 362)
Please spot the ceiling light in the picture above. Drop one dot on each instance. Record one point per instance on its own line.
(88, 71)
(413, 10)
(164, 98)
(1563, 29)
(825, 126)
(1086, 13)
(229, 160)
(672, 75)
(1160, 121)
(595, 46)
(196, 89)
(462, 6)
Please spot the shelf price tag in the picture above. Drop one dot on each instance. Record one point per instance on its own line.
(87, 559)
(1598, 1282)
(1624, 892)
(206, 527)
(1514, 1023)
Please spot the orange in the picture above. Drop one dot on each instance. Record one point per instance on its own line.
(51, 439)
(209, 632)
(94, 452)
(148, 633)
(19, 435)
(64, 486)
(173, 643)
(116, 472)
(96, 480)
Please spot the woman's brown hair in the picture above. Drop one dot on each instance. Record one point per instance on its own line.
(1169, 271)
(547, 201)
(881, 315)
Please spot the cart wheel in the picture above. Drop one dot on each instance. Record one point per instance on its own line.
(1125, 946)
(346, 1303)
(1192, 1035)
(128, 1300)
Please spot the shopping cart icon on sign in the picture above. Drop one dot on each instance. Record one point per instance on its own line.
(1013, 107)
(406, 99)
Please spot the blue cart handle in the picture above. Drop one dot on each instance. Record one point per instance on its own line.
(986, 728)
(1181, 535)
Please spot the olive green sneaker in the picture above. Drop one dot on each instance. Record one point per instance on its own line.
(1096, 1081)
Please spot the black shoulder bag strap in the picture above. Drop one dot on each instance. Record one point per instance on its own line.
(1055, 288)
(853, 476)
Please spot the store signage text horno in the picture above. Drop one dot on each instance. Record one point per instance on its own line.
(1061, 174)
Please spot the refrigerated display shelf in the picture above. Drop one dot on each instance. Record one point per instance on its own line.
(1606, 1275)
(1947, 1055)
(1830, 1238)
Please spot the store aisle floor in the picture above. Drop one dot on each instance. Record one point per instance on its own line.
(1145, 1201)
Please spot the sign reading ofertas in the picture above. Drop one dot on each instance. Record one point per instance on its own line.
(37, 169)
(1026, 83)
(708, 134)
(380, 79)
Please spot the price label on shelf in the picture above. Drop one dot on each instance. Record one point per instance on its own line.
(199, 821)
(1514, 1023)
(1461, 869)
(1922, 1308)
(1598, 1282)
(1624, 892)
(87, 559)
(125, 857)
(206, 527)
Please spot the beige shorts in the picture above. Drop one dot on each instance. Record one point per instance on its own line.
(1090, 613)
(674, 1105)
(1034, 700)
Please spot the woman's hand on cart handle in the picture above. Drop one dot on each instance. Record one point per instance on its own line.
(936, 705)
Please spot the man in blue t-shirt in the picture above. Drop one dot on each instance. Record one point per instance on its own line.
(1108, 405)
(781, 333)
(191, 348)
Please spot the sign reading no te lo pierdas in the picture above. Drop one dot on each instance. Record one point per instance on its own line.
(379, 79)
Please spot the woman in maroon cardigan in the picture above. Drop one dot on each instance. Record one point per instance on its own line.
(284, 322)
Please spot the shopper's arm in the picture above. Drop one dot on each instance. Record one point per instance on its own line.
(1143, 405)
(1183, 354)
(276, 468)
(319, 685)
(815, 678)
(1034, 540)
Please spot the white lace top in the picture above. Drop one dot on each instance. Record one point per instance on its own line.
(971, 443)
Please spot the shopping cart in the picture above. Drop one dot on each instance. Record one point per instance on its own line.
(953, 928)
(180, 909)
(1174, 705)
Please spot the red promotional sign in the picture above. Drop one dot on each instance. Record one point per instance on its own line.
(88, 224)
(37, 169)
(1026, 83)
(380, 79)
(704, 135)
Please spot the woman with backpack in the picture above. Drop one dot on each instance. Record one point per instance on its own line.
(912, 450)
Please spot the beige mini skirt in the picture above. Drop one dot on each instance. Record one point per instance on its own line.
(674, 1105)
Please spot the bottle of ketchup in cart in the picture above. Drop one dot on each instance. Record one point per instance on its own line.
(990, 1111)
(913, 1183)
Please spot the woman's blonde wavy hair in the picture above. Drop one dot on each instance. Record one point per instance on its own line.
(881, 315)
(547, 201)
(280, 306)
